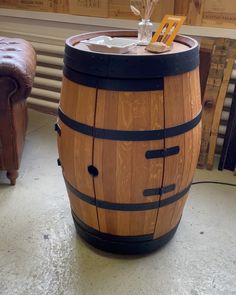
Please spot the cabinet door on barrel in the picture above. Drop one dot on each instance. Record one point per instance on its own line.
(182, 104)
(78, 103)
(124, 170)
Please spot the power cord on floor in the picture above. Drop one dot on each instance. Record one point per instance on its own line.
(214, 182)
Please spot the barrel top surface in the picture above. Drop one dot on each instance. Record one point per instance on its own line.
(136, 64)
(181, 44)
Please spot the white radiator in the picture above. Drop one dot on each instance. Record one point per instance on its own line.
(45, 94)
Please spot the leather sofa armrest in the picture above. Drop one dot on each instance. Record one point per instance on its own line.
(18, 62)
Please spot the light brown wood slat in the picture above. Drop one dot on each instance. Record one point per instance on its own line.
(206, 48)
(210, 97)
(91, 8)
(124, 172)
(195, 13)
(207, 43)
(182, 103)
(76, 149)
(84, 211)
(78, 102)
(193, 140)
(127, 223)
(219, 13)
(181, 7)
(75, 153)
(218, 110)
(212, 13)
(80, 7)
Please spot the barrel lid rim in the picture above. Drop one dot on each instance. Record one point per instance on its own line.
(73, 40)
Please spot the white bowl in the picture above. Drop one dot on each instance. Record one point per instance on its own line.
(110, 45)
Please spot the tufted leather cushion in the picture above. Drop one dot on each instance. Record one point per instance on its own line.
(17, 61)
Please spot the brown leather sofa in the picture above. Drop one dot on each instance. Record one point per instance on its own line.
(17, 69)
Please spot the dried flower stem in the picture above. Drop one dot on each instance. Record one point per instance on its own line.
(144, 7)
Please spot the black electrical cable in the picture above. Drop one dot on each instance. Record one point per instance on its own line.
(214, 182)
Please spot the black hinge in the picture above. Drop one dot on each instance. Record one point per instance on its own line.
(162, 153)
(57, 128)
(159, 191)
(60, 164)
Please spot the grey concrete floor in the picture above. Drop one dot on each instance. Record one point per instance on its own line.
(40, 252)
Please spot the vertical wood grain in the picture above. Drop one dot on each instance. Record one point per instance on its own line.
(121, 223)
(181, 7)
(84, 211)
(75, 149)
(214, 81)
(219, 108)
(195, 12)
(206, 48)
(182, 104)
(124, 172)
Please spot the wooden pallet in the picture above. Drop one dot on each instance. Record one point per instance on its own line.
(218, 61)
(205, 62)
(219, 106)
(216, 13)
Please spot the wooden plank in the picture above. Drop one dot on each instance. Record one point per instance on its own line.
(219, 13)
(78, 103)
(219, 107)
(76, 149)
(28, 5)
(124, 172)
(90, 8)
(84, 211)
(212, 13)
(182, 103)
(205, 62)
(97, 8)
(181, 7)
(196, 9)
(211, 93)
(127, 223)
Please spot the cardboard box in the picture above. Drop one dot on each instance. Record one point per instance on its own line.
(217, 13)
(79, 7)
(97, 8)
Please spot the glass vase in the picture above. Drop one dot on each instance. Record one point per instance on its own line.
(145, 28)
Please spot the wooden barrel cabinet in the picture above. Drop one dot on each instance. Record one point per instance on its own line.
(128, 139)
